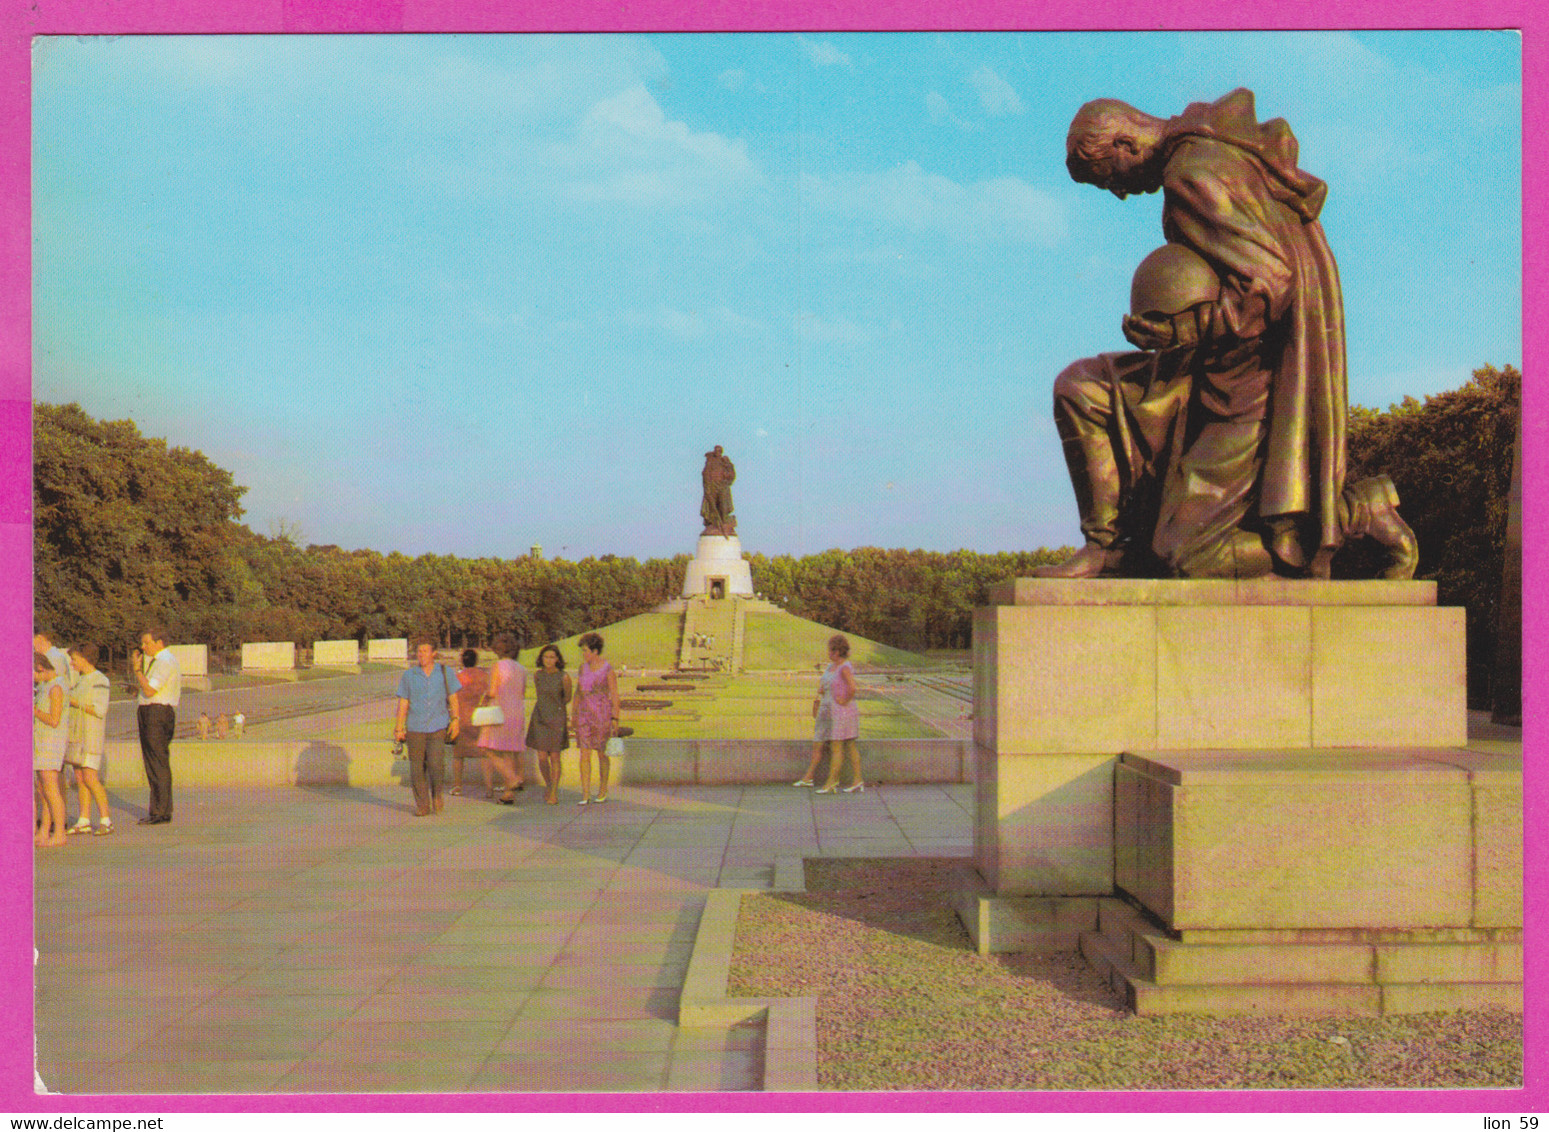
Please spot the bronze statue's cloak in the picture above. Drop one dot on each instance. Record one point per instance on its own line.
(1233, 193)
(719, 474)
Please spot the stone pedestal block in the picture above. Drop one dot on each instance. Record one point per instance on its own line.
(388, 648)
(1328, 839)
(335, 653)
(718, 569)
(1044, 823)
(269, 655)
(1270, 774)
(1113, 665)
(192, 660)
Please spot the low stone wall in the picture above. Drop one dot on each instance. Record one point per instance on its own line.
(647, 762)
(740, 762)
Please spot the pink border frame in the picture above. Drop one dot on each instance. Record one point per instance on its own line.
(24, 18)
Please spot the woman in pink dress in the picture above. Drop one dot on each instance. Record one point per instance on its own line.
(595, 715)
(836, 721)
(503, 743)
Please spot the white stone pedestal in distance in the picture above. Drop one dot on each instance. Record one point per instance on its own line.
(718, 559)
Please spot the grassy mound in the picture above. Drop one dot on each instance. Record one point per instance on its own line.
(648, 640)
(781, 641)
(773, 641)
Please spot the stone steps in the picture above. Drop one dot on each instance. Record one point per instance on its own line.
(1364, 974)
(713, 619)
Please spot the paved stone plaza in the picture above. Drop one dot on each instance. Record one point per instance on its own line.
(305, 941)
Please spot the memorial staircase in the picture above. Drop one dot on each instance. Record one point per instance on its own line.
(710, 635)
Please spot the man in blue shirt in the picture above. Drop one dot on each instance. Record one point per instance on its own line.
(427, 717)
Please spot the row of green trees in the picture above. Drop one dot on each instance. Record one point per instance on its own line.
(129, 530)
(1450, 457)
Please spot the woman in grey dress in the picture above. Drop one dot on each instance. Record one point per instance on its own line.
(546, 731)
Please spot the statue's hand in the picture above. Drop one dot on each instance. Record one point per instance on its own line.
(1181, 329)
(1147, 334)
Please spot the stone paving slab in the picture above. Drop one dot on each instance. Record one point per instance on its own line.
(311, 939)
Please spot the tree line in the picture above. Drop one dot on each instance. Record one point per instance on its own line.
(128, 530)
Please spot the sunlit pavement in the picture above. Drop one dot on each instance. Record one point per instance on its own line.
(325, 940)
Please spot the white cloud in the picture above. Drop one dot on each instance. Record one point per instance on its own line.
(730, 319)
(679, 324)
(822, 53)
(995, 93)
(941, 111)
(1004, 208)
(836, 331)
(687, 325)
(627, 150)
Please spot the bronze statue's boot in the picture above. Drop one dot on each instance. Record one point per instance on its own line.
(1390, 530)
(1088, 562)
(1094, 475)
(1286, 546)
(1373, 511)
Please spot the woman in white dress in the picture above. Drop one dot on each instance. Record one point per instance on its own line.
(49, 735)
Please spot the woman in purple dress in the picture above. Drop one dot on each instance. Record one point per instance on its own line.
(503, 743)
(595, 715)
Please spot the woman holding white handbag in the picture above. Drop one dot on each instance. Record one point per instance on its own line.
(472, 684)
(502, 742)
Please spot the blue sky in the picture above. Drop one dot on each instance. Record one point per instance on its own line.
(465, 294)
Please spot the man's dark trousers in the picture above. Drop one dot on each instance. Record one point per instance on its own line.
(158, 722)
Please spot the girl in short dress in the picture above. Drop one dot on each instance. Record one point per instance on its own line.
(595, 715)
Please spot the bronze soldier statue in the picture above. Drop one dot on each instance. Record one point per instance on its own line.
(1217, 448)
(716, 508)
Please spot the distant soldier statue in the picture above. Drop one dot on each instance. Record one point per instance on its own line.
(716, 509)
(1217, 449)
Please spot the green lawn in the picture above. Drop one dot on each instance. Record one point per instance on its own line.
(760, 706)
(751, 706)
(772, 641)
(771, 699)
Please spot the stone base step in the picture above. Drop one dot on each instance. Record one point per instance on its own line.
(1157, 974)
(1149, 998)
(999, 924)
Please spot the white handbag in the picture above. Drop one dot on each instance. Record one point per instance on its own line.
(614, 748)
(489, 715)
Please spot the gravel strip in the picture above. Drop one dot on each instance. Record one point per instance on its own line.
(905, 1003)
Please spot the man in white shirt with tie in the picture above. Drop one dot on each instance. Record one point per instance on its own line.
(160, 681)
